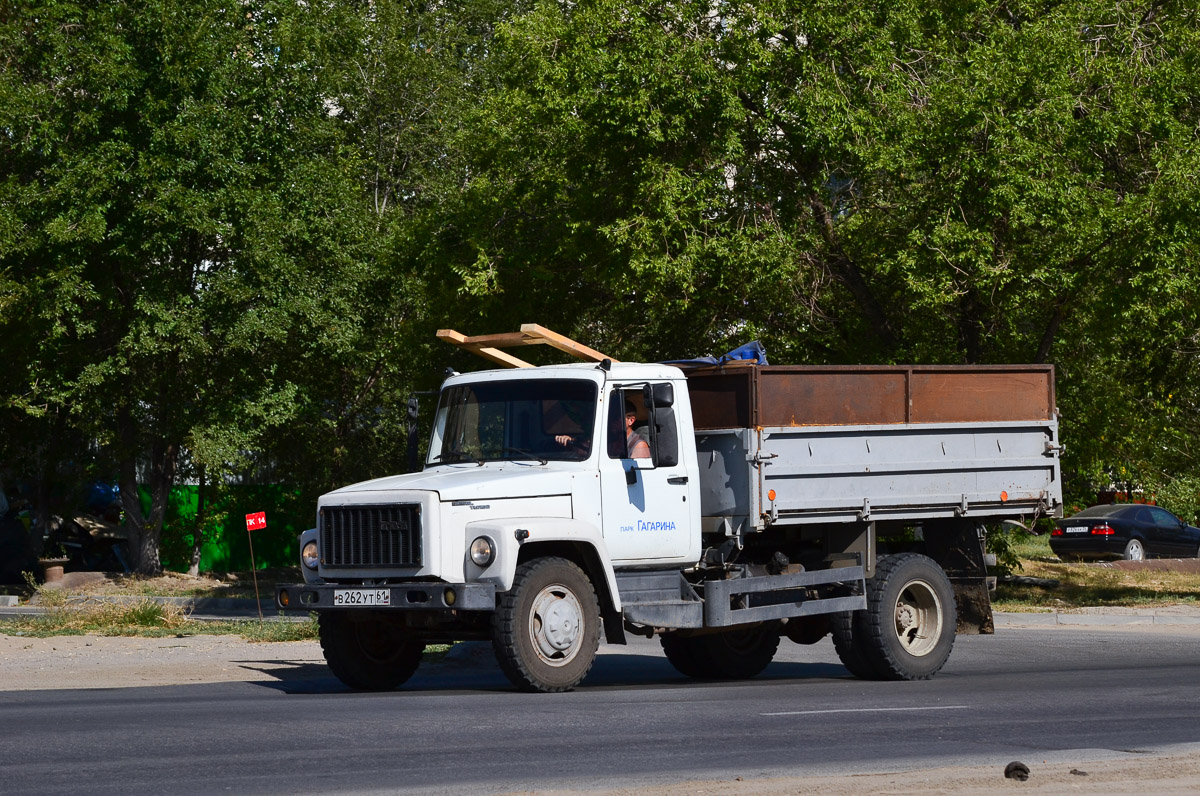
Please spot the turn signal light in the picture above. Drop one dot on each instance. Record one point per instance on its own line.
(1103, 530)
(284, 598)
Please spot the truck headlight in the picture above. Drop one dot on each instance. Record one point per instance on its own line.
(309, 555)
(483, 551)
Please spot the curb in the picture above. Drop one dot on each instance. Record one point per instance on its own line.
(1056, 618)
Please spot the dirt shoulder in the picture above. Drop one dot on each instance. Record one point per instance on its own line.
(123, 662)
(1126, 774)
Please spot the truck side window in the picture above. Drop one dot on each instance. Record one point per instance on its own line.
(618, 435)
(616, 427)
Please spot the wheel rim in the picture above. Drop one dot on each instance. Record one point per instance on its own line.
(556, 625)
(918, 618)
(1136, 553)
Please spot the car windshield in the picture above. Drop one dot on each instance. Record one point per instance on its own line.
(519, 420)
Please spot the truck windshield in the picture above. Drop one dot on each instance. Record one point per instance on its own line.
(535, 419)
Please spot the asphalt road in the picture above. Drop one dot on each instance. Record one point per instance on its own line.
(1028, 694)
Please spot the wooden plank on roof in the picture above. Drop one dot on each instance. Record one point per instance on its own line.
(476, 346)
(564, 343)
(501, 358)
(488, 345)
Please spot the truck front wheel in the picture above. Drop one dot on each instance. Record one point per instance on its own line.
(547, 627)
(908, 629)
(369, 652)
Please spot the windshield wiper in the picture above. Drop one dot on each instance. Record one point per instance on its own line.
(527, 454)
(462, 456)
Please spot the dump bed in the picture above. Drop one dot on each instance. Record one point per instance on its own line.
(852, 444)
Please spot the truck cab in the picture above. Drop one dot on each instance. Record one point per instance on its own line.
(521, 465)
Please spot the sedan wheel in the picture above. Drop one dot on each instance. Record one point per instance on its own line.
(1134, 551)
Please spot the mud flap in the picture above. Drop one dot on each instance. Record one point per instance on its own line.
(957, 546)
(974, 606)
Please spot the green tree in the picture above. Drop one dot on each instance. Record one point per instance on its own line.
(400, 97)
(171, 179)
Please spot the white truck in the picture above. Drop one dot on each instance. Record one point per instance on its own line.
(776, 502)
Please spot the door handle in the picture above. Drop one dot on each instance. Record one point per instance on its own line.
(677, 479)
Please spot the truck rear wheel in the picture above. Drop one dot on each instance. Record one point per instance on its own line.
(735, 654)
(851, 648)
(369, 652)
(907, 630)
(547, 627)
(684, 655)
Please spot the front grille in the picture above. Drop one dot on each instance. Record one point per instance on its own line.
(371, 536)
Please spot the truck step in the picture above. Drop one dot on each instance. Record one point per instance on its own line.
(654, 586)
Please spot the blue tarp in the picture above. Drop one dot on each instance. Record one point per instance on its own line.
(752, 351)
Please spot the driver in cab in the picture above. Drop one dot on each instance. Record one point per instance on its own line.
(635, 445)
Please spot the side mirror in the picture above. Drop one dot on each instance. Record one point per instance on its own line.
(659, 396)
(664, 442)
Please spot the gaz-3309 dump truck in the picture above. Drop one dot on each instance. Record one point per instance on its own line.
(773, 502)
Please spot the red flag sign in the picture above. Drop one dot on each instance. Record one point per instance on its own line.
(256, 521)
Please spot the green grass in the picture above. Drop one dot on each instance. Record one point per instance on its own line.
(1032, 548)
(1080, 585)
(150, 619)
(146, 618)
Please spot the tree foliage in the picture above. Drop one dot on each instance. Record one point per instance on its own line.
(915, 182)
(171, 178)
(229, 231)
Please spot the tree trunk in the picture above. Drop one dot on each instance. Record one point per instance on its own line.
(145, 531)
(131, 502)
(1051, 332)
(198, 530)
(41, 510)
(843, 268)
(970, 329)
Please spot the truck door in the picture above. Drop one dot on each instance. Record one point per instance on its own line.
(648, 511)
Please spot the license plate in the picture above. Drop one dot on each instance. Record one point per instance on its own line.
(1078, 529)
(362, 597)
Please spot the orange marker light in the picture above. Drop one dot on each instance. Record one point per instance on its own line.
(771, 494)
(1003, 496)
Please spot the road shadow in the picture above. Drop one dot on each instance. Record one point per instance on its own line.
(291, 676)
(471, 668)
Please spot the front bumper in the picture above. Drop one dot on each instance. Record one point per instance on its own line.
(420, 596)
